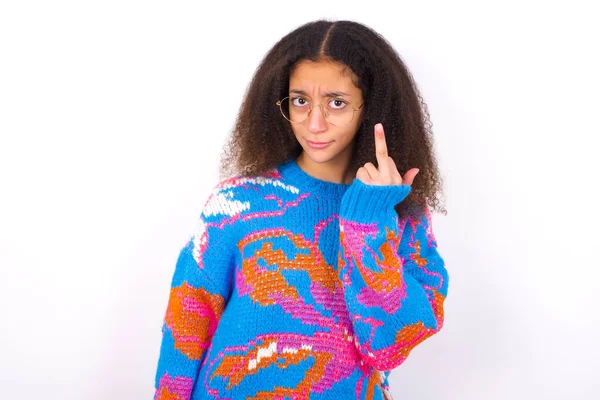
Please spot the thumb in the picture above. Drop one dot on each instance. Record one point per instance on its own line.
(409, 177)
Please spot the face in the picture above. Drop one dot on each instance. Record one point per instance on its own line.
(313, 81)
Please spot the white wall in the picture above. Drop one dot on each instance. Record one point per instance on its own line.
(112, 118)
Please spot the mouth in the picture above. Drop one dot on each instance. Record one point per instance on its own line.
(318, 145)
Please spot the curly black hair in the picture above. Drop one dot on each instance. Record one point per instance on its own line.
(262, 139)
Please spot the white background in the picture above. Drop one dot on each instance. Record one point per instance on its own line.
(112, 119)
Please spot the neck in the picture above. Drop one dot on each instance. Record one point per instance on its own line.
(335, 171)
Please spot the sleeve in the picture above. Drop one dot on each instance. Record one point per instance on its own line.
(394, 279)
(201, 285)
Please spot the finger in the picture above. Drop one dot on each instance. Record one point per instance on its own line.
(381, 152)
(396, 177)
(372, 170)
(363, 175)
(409, 176)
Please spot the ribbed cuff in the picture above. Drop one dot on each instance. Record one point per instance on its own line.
(367, 203)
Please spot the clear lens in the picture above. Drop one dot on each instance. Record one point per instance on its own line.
(297, 110)
(339, 112)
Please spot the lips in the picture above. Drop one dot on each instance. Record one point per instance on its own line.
(318, 145)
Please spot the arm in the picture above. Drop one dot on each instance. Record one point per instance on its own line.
(394, 279)
(200, 288)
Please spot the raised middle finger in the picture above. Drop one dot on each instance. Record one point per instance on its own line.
(381, 152)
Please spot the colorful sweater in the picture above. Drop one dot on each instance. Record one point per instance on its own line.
(292, 287)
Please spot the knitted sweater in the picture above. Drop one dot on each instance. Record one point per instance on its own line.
(292, 287)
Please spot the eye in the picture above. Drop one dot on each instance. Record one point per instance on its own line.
(299, 101)
(337, 104)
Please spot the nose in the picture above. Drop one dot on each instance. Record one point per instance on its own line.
(316, 119)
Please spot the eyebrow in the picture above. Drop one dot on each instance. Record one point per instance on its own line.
(328, 94)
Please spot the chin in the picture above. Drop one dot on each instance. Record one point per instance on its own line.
(319, 157)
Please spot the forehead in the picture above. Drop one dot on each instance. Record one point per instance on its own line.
(323, 74)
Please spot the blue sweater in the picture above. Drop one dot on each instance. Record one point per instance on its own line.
(292, 287)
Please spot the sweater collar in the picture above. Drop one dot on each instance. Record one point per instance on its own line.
(294, 175)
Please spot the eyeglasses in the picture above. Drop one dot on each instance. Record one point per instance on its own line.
(297, 109)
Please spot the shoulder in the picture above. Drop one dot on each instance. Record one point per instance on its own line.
(252, 187)
(240, 198)
(231, 196)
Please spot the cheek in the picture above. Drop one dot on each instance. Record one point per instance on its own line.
(296, 132)
(350, 134)
(352, 130)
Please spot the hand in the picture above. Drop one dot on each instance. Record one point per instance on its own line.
(387, 173)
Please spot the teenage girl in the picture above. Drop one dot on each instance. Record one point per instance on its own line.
(313, 270)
